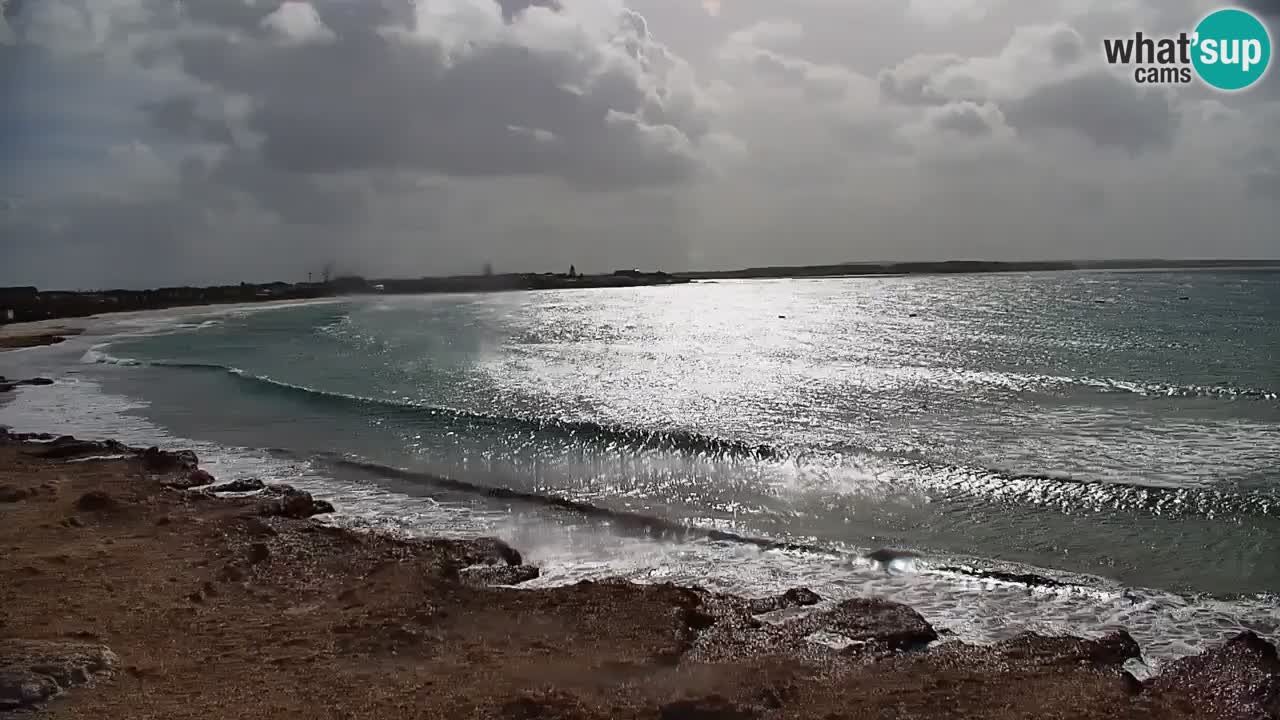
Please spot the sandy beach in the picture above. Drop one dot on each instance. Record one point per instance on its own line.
(44, 332)
(134, 588)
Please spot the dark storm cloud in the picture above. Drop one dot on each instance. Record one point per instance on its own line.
(369, 100)
(1110, 111)
(182, 117)
(1270, 8)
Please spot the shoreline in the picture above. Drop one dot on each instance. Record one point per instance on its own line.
(71, 306)
(177, 599)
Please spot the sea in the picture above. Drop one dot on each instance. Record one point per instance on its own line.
(1062, 453)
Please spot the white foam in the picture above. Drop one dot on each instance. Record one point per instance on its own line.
(568, 549)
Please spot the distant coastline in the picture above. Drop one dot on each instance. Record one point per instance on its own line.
(959, 267)
(30, 304)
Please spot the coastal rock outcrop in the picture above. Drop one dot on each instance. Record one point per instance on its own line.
(67, 447)
(1111, 650)
(11, 494)
(35, 671)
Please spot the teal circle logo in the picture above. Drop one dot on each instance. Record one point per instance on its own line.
(1232, 49)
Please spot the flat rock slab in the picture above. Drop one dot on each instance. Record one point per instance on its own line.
(35, 671)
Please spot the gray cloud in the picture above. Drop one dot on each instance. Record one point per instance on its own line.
(1103, 108)
(1270, 8)
(967, 118)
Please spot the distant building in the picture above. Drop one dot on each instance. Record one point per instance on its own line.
(488, 269)
(573, 271)
(633, 272)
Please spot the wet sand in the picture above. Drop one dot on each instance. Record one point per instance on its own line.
(131, 589)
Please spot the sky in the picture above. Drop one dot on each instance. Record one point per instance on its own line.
(148, 143)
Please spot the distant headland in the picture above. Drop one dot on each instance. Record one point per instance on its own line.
(28, 304)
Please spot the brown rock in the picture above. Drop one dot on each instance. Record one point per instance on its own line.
(96, 501)
(258, 552)
(793, 598)
(1113, 649)
(10, 494)
(32, 672)
(187, 481)
(489, 575)
(68, 447)
(231, 572)
(1239, 679)
(873, 620)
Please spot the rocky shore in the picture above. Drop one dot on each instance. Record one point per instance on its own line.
(137, 585)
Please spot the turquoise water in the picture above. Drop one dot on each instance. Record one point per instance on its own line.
(1117, 432)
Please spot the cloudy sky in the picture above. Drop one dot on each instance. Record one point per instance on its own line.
(154, 142)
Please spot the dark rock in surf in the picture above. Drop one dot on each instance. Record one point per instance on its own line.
(287, 501)
(488, 551)
(163, 461)
(867, 620)
(11, 385)
(793, 598)
(1028, 579)
(1111, 650)
(885, 556)
(235, 486)
(488, 575)
(1240, 678)
(193, 479)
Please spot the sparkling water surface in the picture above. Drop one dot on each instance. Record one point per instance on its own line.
(1114, 435)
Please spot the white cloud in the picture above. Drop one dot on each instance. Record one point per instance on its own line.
(297, 22)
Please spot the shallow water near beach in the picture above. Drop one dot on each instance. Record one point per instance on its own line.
(1060, 452)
